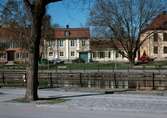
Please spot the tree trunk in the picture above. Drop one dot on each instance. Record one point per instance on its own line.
(131, 58)
(32, 69)
(32, 79)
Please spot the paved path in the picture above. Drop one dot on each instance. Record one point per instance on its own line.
(98, 106)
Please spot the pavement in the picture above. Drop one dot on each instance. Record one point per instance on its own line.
(84, 105)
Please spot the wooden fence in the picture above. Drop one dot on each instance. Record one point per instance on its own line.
(105, 80)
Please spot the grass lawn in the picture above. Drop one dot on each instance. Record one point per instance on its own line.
(88, 66)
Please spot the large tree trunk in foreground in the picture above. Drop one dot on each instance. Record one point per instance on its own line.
(32, 69)
(37, 10)
(32, 80)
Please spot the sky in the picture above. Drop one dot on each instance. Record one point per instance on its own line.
(65, 13)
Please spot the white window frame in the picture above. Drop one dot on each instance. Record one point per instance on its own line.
(72, 53)
(61, 53)
(72, 43)
(50, 53)
(3, 55)
(83, 42)
(60, 43)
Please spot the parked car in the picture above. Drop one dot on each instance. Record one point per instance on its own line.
(145, 59)
(56, 61)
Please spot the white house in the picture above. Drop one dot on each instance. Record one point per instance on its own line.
(104, 51)
(69, 44)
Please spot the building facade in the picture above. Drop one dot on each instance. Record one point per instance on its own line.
(155, 38)
(10, 50)
(104, 51)
(69, 44)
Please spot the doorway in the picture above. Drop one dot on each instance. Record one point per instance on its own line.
(10, 55)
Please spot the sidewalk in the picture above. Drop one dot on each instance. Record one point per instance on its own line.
(96, 106)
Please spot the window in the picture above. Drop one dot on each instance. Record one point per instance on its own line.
(117, 54)
(60, 43)
(11, 44)
(20, 55)
(83, 42)
(165, 50)
(23, 55)
(2, 55)
(72, 43)
(155, 50)
(61, 54)
(49, 43)
(94, 54)
(164, 36)
(72, 53)
(17, 55)
(101, 54)
(50, 53)
(155, 36)
(109, 54)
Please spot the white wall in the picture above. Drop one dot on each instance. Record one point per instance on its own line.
(67, 49)
(107, 58)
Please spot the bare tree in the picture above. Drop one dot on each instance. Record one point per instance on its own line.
(36, 10)
(124, 20)
(13, 16)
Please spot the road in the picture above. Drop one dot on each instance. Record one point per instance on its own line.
(93, 106)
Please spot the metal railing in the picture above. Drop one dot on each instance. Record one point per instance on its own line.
(104, 80)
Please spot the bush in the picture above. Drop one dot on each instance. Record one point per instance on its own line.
(78, 61)
(43, 61)
(19, 62)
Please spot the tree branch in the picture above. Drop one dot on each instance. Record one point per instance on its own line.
(50, 1)
(28, 5)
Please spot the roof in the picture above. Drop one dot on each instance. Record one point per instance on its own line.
(14, 49)
(7, 33)
(158, 23)
(103, 44)
(72, 33)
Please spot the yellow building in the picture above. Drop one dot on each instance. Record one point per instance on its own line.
(155, 38)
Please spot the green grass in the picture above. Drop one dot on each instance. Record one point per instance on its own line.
(157, 63)
(89, 66)
(43, 83)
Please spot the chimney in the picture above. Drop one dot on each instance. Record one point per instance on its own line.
(67, 26)
(164, 12)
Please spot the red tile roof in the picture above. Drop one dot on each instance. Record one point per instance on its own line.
(73, 33)
(103, 44)
(158, 23)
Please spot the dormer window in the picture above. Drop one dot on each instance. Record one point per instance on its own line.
(66, 33)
